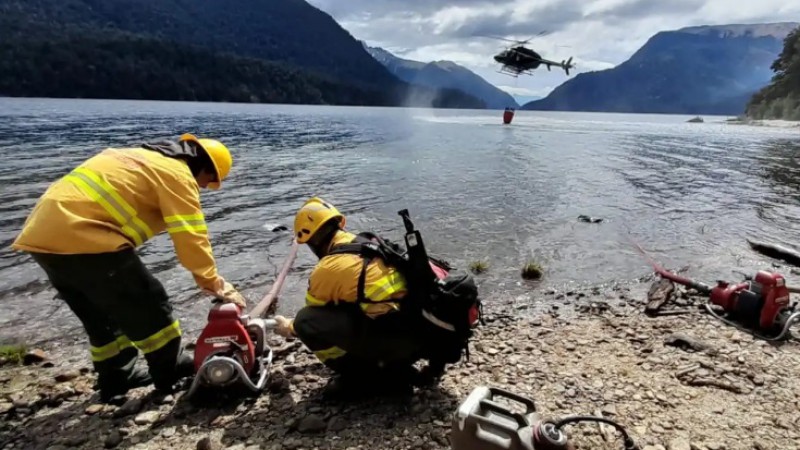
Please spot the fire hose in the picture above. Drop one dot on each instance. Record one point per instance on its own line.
(265, 305)
(627, 442)
(719, 296)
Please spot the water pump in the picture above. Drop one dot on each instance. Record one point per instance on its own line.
(232, 348)
(760, 305)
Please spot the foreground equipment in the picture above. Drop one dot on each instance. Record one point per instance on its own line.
(232, 348)
(483, 423)
(759, 305)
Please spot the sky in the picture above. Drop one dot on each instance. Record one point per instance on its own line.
(599, 34)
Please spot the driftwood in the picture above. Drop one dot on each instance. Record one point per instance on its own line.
(660, 292)
(776, 251)
(686, 370)
(606, 431)
(675, 312)
(711, 382)
(683, 341)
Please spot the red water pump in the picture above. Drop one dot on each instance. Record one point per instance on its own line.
(762, 302)
(760, 305)
(232, 348)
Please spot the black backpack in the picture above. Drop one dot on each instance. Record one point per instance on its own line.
(448, 309)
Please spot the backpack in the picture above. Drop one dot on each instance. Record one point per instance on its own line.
(446, 305)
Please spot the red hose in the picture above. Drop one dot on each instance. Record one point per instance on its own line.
(670, 275)
(264, 305)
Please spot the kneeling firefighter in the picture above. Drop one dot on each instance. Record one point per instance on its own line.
(366, 316)
(84, 231)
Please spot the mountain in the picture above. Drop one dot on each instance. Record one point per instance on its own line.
(781, 98)
(694, 70)
(443, 74)
(249, 46)
(522, 99)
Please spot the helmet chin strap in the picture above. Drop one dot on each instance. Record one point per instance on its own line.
(317, 249)
(321, 249)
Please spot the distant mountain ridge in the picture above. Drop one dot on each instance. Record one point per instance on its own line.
(695, 70)
(443, 74)
(241, 50)
(778, 30)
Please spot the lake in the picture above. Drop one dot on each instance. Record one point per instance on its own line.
(691, 193)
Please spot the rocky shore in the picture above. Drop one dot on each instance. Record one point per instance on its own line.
(680, 382)
(774, 123)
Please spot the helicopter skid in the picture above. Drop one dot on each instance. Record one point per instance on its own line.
(514, 73)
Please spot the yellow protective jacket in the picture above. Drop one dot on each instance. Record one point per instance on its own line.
(335, 279)
(119, 199)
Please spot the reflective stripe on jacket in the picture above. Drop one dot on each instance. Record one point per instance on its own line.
(121, 198)
(335, 279)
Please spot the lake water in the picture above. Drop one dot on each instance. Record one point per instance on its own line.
(477, 189)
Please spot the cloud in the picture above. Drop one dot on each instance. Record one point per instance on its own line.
(599, 34)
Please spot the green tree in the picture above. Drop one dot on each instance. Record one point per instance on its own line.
(781, 98)
(121, 65)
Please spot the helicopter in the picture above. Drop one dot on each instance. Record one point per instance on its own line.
(518, 59)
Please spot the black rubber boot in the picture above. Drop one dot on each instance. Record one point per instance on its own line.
(392, 381)
(185, 366)
(139, 377)
(343, 388)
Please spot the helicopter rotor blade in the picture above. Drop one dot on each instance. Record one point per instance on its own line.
(498, 37)
(539, 34)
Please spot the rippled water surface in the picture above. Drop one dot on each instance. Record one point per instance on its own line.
(690, 193)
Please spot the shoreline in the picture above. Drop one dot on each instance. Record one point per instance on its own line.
(608, 358)
(772, 123)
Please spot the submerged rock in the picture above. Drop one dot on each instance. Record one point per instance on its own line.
(589, 219)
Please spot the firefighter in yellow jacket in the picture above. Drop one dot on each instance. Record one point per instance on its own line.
(84, 231)
(369, 344)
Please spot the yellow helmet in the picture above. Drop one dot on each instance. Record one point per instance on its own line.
(219, 154)
(312, 215)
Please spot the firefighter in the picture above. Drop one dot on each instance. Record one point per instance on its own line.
(370, 345)
(83, 233)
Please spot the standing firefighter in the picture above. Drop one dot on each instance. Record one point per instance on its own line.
(84, 231)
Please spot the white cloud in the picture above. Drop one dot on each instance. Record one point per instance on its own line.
(599, 34)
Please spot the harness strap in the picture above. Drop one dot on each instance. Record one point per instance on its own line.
(436, 321)
(364, 246)
(362, 278)
(172, 149)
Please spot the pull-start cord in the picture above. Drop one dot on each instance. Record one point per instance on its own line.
(628, 443)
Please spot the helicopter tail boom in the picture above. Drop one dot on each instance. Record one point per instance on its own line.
(566, 65)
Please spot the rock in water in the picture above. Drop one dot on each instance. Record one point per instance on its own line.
(588, 219)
